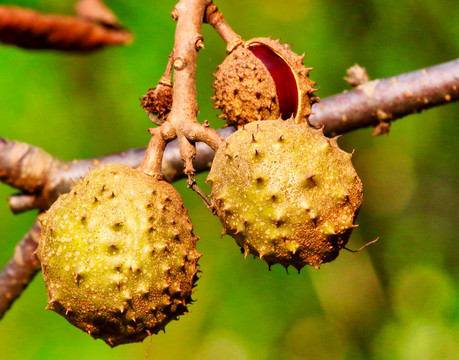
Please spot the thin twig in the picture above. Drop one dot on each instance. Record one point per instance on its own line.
(181, 122)
(362, 247)
(215, 19)
(191, 183)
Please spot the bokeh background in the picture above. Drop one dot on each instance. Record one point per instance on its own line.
(397, 299)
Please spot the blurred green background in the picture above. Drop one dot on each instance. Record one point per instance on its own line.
(397, 299)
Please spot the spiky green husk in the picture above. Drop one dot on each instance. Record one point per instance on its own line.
(118, 255)
(285, 192)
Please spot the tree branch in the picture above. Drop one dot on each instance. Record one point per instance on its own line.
(20, 270)
(181, 122)
(41, 178)
(31, 170)
(387, 99)
(21, 167)
(37, 173)
(31, 29)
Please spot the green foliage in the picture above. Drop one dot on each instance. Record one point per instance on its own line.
(398, 299)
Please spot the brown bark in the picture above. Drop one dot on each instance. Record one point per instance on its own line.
(20, 270)
(215, 19)
(31, 170)
(34, 30)
(388, 99)
(37, 173)
(181, 122)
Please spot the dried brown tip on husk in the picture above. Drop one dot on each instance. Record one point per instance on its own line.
(158, 102)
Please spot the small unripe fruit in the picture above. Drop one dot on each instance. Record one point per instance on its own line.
(263, 80)
(118, 255)
(285, 192)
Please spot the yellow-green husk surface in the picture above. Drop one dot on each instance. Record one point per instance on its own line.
(285, 192)
(118, 254)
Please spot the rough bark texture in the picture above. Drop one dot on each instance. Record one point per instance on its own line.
(20, 270)
(388, 99)
(181, 122)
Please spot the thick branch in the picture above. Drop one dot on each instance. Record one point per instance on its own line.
(31, 169)
(388, 99)
(188, 41)
(24, 166)
(41, 177)
(20, 270)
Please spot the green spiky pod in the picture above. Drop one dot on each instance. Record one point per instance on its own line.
(263, 80)
(118, 254)
(285, 192)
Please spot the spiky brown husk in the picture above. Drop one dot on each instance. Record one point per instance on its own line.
(158, 101)
(285, 192)
(118, 255)
(246, 92)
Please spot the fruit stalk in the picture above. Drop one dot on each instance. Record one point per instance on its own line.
(215, 19)
(181, 123)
